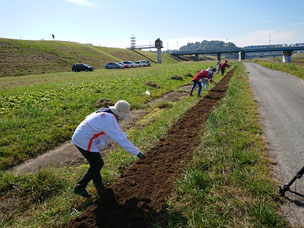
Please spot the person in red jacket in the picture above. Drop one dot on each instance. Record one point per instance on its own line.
(201, 75)
(223, 67)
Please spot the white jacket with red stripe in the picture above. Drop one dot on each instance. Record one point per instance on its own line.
(98, 130)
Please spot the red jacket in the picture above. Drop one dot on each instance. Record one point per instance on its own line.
(224, 65)
(201, 74)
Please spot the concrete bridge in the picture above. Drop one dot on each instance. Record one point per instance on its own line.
(287, 52)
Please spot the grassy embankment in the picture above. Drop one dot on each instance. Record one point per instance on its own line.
(296, 67)
(49, 112)
(228, 183)
(24, 57)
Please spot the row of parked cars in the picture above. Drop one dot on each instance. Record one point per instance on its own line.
(113, 65)
(127, 64)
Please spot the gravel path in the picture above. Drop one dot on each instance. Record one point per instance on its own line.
(281, 99)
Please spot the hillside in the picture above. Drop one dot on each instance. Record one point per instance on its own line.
(23, 57)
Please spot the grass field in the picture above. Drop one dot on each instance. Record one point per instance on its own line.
(31, 189)
(228, 183)
(39, 112)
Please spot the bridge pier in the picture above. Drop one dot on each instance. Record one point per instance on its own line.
(158, 55)
(197, 57)
(218, 56)
(241, 55)
(287, 56)
(159, 46)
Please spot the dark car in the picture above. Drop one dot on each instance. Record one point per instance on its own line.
(114, 65)
(82, 67)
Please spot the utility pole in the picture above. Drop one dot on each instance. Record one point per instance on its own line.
(269, 39)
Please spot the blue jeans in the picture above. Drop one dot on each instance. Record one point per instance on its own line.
(199, 87)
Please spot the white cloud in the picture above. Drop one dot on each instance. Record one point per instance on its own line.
(81, 2)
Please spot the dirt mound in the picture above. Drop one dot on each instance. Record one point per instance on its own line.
(154, 85)
(103, 102)
(188, 75)
(139, 193)
(177, 77)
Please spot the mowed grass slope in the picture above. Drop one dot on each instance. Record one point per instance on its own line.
(24, 57)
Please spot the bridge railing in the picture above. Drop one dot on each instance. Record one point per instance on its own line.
(143, 46)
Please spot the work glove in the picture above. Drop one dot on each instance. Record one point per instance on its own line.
(141, 155)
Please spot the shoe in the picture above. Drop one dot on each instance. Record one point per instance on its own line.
(191, 95)
(82, 192)
(100, 188)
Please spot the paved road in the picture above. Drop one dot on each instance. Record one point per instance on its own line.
(281, 100)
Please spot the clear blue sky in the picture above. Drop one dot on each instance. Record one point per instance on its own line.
(176, 22)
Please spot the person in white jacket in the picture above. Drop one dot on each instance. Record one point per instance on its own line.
(93, 135)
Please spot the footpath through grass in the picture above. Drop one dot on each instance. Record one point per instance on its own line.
(228, 183)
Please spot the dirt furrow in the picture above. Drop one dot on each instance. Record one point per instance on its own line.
(140, 192)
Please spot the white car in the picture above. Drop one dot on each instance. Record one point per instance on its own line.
(129, 64)
(143, 63)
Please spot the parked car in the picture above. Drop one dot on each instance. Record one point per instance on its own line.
(114, 65)
(129, 64)
(138, 63)
(143, 63)
(82, 67)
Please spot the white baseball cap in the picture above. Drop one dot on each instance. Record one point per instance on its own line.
(209, 70)
(121, 109)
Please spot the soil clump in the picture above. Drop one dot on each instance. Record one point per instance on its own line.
(177, 77)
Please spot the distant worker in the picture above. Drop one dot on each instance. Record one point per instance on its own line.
(53, 36)
(205, 81)
(201, 75)
(218, 66)
(93, 135)
(223, 67)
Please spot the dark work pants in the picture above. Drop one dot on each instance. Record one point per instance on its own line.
(222, 71)
(93, 173)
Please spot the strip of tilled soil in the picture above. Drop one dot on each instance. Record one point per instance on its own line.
(140, 192)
